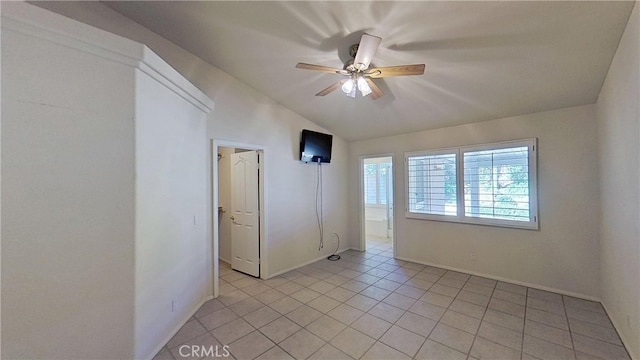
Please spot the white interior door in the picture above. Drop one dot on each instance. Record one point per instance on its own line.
(245, 231)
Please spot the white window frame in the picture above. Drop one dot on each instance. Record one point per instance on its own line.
(532, 224)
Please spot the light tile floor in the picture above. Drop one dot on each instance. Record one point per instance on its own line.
(370, 306)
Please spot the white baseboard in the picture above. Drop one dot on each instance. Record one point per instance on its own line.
(173, 332)
(511, 281)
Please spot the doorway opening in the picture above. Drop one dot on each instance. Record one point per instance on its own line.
(377, 204)
(238, 203)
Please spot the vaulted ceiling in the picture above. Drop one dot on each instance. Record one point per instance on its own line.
(484, 60)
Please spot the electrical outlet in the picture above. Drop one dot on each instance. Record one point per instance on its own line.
(473, 256)
(173, 306)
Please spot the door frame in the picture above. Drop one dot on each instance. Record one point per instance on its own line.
(363, 235)
(216, 144)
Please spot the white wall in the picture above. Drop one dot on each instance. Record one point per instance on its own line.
(562, 255)
(172, 245)
(68, 202)
(618, 116)
(243, 115)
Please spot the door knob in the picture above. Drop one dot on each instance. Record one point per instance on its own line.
(233, 218)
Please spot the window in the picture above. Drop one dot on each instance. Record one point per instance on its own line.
(432, 183)
(492, 184)
(377, 182)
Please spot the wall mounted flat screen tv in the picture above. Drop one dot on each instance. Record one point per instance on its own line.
(315, 147)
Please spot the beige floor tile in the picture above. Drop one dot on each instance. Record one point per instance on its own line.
(545, 350)
(592, 306)
(419, 283)
(548, 333)
(322, 287)
(432, 350)
(513, 288)
(279, 329)
(467, 308)
(303, 315)
(246, 306)
(261, 317)
(544, 295)
(501, 335)
(289, 288)
(355, 285)
(386, 312)
(301, 344)
(340, 294)
(416, 323)
(410, 291)
(375, 292)
(460, 321)
(387, 284)
(505, 320)
(275, 353)
(381, 351)
(209, 307)
(589, 316)
(548, 306)
(190, 330)
(345, 314)
(507, 307)
(479, 289)
(328, 352)
(285, 305)
(547, 318)
(232, 331)
(445, 290)
(218, 318)
(326, 327)
(256, 289)
(353, 342)
(194, 346)
(597, 348)
(323, 303)
(452, 337)
(305, 295)
(371, 325)
(430, 311)
(594, 331)
(485, 349)
(269, 296)
(361, 302)
(510, 297)
(250, 346)
(403, 340)
(436, 299)
(451, 282)
(474, 298)
(399, 301)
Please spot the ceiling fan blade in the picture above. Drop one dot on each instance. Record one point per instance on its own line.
(402, 70)
(366, 50)
(306, 66)
(376, 93)
(330, 88)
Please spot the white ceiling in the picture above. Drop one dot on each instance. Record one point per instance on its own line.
(484, 60)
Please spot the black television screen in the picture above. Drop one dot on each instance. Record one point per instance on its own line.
(315, 146)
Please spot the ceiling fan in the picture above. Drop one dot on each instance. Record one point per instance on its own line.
(358, 72)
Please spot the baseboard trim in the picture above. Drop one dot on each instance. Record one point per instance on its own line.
(173, 332)
(305, 264)
(511, 281)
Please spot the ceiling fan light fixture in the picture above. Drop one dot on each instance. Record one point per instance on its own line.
(348, 86)
(363, 86)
